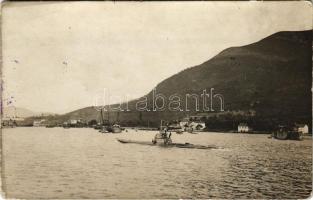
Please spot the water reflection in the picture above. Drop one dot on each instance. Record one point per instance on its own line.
(82, 163)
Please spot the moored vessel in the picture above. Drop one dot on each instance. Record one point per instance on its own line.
(115, 128)
(287, 133)
(109, 128)
(163, 139)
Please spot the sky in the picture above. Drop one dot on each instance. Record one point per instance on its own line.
(61, 56)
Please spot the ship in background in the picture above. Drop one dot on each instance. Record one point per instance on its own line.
(295, 132)
(108, 127)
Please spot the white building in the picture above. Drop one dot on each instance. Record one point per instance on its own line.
(244, 128)
(73, 121)
(197, 126)
(303, 128)
(38, 123)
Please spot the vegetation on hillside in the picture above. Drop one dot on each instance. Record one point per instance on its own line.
(272, 77)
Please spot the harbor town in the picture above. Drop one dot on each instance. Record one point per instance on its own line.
(156, 100)
(189, 124)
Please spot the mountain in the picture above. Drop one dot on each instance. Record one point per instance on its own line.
(271, 78)
(16, 112)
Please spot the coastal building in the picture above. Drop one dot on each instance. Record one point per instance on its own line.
(244, 128)
(73, 122)
(38, 123)
(199, 126)
(9, 122)
(195, 125)
(302, 128)
(184, 122)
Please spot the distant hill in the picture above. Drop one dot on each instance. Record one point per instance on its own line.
(13, 112)
(271, 77)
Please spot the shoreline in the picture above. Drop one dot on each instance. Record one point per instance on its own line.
(156, 129)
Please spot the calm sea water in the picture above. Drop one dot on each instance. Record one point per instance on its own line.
(83, 163)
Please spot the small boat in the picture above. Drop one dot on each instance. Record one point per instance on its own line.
(189, 130)
(111, 129)
(98, 127)
(178, 145)
(108, 128)
(116, 128)
(179, 131)
(287, 133)
(103, 130)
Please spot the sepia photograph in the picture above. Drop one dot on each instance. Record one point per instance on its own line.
(156, 100)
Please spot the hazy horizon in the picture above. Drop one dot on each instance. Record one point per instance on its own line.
(59, 56)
